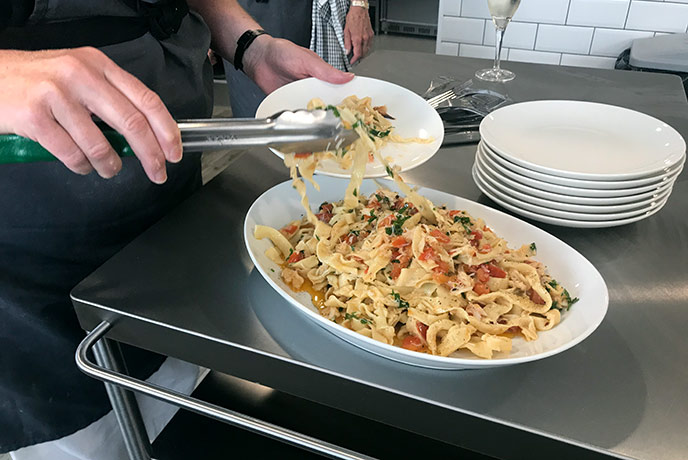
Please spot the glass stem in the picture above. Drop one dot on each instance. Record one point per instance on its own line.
(499, 35)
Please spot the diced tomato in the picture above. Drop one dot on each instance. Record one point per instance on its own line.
(357, 259)
(485, 248)
(403, 259)
(324, 216)
(326, 207)
(476, 235)
(427, 254)
(439, 236)
(289, 230)
(495, 271)
(398, 204)
(413, 343)
(535, 297)
(386, 222)
(439, 277)
(486, 228)
(350, 239)
(303, 154)
(483, 274)
(422, 329)
(400, 242)
(373, 204)
(442, 266)
(469, 268)
(481, 289)
(295, 257)
(454, 213)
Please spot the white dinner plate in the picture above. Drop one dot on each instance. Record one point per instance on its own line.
(592, 209)
(582, 140)
(589, 184)
(512, 184)
(413, 118)
(551, 212)
(557, 221)
(573, 191)
(281, 204)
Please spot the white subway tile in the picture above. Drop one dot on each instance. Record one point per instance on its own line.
(517, 35)
(480, 51)
(543, 11)
(450, 7)
(462, 30)
(610, 42)
(601, 13)
(540, 57)
(568, 39)
(658, 16)
(447, 48)
(576, 60)
(475, 9)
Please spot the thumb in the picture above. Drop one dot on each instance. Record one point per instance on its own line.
(324, 71)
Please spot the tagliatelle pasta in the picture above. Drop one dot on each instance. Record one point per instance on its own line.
(405, 272)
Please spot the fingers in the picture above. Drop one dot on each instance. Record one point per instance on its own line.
(347, 39)
(118, 111)
(358, 49)
(58, 142)
(323, 71)
(147, 102)
(87, 137)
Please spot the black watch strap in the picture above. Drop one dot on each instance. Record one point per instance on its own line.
(242, 45)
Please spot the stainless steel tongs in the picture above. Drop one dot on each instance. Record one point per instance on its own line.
(287, 131)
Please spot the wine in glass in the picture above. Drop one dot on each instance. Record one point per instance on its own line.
(502, 11)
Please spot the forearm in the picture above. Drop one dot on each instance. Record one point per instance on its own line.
(227, 20)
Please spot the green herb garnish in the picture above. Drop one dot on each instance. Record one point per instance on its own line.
(377, 133)
(353, 316)
(465, 221)
(554, 284)
(334, 110)
(355, 192)
(390, 173)
(404, 305)
(291, 251)
(533, 247)
(372, 217)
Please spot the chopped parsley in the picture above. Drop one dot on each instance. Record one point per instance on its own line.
(554, 284)
(352, 248)
(333, 109)
(377, 133)
(395, 261)
(353, 316)
(291, 251)
(355, 232)
(372, 217)
(533, 247)
(341, 309)
(397, 224)
(465, 221)
(404, 305)
(272, 270)
(357, 124)
(390, 173)
(355, 192)
(381, 198)
(568, 298)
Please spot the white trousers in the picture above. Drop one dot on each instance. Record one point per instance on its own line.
(102, 440)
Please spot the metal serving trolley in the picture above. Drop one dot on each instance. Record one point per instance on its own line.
(187, 288)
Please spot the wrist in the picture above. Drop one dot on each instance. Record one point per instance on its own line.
(246, 46)
(256, 54)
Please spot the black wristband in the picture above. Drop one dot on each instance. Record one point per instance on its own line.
(242, 45)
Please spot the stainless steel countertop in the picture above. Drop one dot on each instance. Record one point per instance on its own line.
(187, 288)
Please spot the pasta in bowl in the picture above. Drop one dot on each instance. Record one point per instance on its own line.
(388, 307)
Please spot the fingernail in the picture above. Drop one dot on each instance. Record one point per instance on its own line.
(160, 176)
(176, 154)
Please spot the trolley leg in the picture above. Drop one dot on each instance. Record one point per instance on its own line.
(109, 355)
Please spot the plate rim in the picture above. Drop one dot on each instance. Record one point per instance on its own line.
(571, 198)
(438, 141)
(500, 187)
(563, 173)
(441, 362)
(526, 205)
(580, 192)
(569, 223)
(579, 183)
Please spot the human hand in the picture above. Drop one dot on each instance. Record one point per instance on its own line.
(273, 62)
(358, 33)
(50, 96)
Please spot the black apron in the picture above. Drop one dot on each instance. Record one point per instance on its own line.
(56, 227)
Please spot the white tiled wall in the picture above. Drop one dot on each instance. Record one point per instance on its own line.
(584, 33)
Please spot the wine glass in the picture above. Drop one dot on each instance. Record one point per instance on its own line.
(502, 11)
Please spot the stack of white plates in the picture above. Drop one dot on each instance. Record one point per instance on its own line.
(577, 164)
